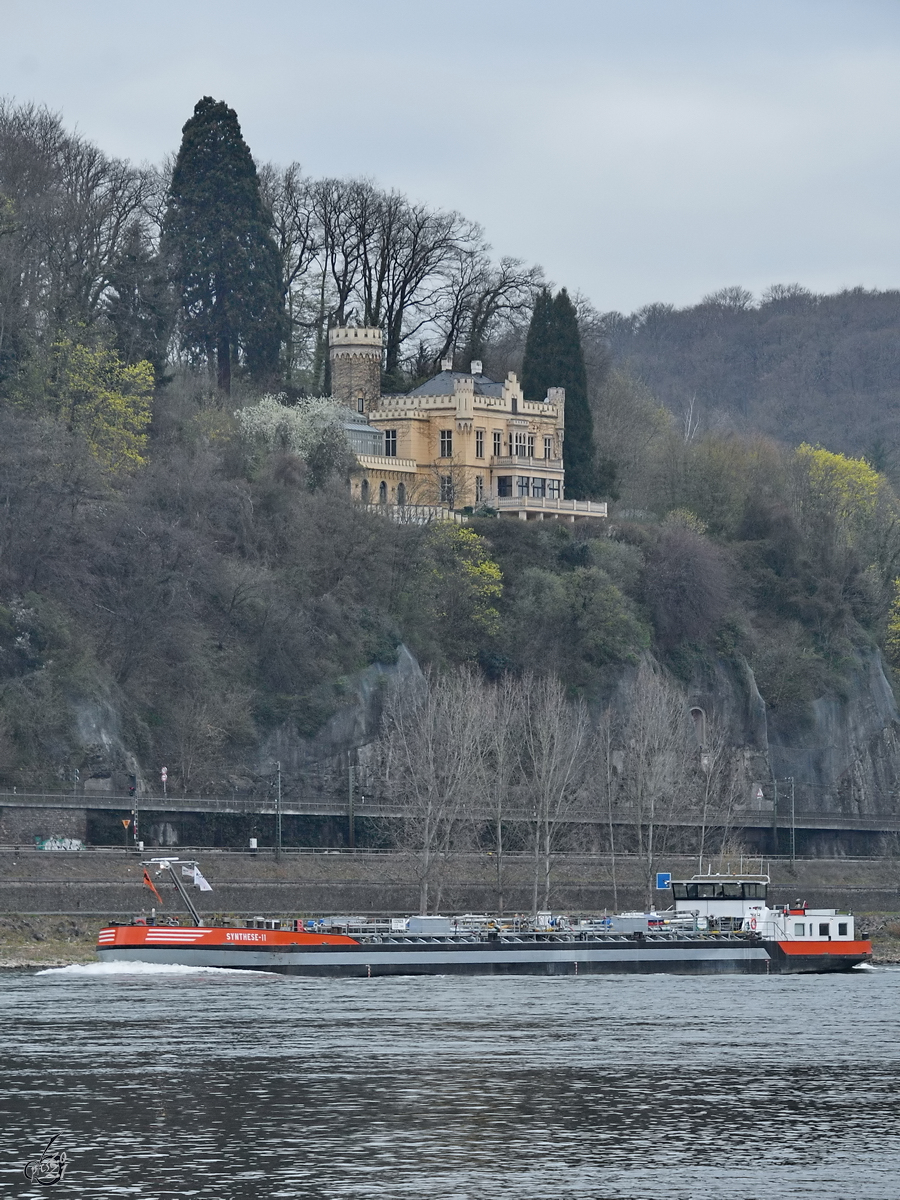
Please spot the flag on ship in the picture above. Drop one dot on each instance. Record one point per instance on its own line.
(192, 871)
(200, 882)
(148, 882)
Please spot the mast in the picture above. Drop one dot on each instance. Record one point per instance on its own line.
(169, 864)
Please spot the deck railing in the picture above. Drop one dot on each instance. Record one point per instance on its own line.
(578, 508)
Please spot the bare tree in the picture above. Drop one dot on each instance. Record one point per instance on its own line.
(658, 750)
(719, 783)
(555, 741)
(482, 301)
(431, 746)
(68, 210)
(606, 781)
(288, 196)
(500, 764)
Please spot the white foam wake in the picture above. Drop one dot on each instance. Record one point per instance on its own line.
(146, 968)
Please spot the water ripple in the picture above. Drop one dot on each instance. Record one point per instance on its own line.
(179, 1083)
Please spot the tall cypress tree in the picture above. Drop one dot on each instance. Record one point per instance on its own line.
(554, 358)
(538, 367)
(224, 262)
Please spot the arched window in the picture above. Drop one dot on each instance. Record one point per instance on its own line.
(364, 491)
(382, 492)
(401, 493)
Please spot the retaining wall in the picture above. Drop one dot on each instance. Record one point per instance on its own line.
(109, 883)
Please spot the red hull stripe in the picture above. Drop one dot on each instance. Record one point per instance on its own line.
(836, 948)
(149, 935)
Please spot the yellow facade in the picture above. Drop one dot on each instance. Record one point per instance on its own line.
(460, 440)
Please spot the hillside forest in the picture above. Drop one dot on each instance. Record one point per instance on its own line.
(203, 585)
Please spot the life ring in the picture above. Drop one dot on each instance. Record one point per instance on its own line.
(753, 922)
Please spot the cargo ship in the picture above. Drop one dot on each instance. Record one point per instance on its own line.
(717, 924)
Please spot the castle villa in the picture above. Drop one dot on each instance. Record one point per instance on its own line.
(457, 441)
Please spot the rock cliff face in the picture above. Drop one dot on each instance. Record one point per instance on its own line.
(847, 759)
(843, 755)
(322, 761)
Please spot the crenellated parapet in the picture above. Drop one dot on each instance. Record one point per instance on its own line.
(354, 353)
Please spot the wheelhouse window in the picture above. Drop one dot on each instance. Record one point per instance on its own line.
(498, 443)
(712, 890)
(447, 489)
(390, 443)
(799, 929)
(548, 447)
(824, 929)
(505, 485)
(446, 443)
(479, 443)
(842, 929)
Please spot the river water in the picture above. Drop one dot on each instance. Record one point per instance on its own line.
(167, 1082)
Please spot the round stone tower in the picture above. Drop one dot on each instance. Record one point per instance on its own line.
(355, 356)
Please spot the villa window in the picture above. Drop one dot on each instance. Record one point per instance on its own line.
(504, 485)
(498, 443)
(390, 443)
(552, 489)
(447, 490)
(382, 492)
(479, 443)
(446, 443)
(401, 494)
(531, 445)
(548, 447)
(523, 484)
(361, 404)
(479, 487)
(538, 487)
(520, 450)
(364, 491)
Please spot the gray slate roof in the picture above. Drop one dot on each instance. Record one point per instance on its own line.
(442, 385)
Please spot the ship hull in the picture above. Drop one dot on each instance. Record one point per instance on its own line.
(343, 957)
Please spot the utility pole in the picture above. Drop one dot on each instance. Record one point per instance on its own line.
(351, 823)
(775, 816)
(278, 816)
(793, 822)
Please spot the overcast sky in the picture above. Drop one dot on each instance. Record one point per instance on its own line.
(640, 150)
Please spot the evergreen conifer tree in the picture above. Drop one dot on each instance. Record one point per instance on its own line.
(554, 358)
(225, 264)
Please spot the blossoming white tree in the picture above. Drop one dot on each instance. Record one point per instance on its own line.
(313, 429)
